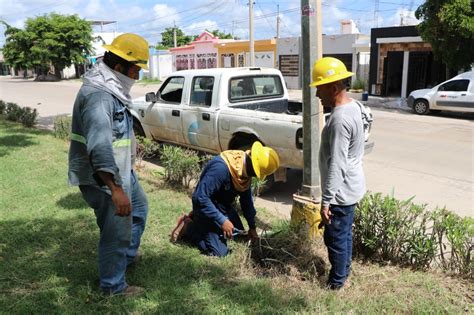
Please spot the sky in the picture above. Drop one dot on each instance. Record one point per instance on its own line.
(150, 18)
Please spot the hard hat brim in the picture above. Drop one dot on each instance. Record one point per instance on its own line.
(117, 52)
(255, 152)
(331, 79)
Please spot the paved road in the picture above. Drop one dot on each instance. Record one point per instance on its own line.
(429, 157)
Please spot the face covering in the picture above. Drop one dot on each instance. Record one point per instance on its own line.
(110, 81)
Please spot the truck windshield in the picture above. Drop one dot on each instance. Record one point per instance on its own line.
(254, 87)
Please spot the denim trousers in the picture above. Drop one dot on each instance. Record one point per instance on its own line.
(208, 236)
(119, 236)
(338, 239)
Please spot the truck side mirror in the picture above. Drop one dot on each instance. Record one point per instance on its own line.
(150, 97)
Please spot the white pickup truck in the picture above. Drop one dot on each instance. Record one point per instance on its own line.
(213, 110)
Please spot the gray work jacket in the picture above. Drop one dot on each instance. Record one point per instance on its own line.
(101, 140)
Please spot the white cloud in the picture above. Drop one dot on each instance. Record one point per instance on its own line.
(199, 27)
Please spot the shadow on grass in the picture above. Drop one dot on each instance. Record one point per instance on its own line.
(11, 142)
(48, 265)
(72, 201)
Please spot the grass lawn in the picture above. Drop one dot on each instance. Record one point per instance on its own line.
(48, 240)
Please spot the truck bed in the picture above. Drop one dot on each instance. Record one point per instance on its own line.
(273, 106)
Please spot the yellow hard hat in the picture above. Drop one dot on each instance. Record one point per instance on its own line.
(327, 70)
(130, 47)
(265, 160)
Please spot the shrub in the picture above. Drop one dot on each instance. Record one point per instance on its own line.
(62, 127)
(358, 84)
(387, 229)
(455, 237)
(29, 117)
(24, 115)
(146, 148)
(182, 166)
(3, 107)
(13, 112)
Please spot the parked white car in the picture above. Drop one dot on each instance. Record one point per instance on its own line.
(456, 94)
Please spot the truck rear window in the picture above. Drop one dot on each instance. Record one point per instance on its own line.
(254, 87)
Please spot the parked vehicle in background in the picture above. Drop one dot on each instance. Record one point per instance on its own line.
(456, 94)
(219, 109)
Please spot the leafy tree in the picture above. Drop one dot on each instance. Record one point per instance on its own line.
(448, 25)
(16, 50)
(167, 40)
(220, 34)
(54, 39)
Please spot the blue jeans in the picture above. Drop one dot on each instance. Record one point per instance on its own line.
(119, 236)
(338, 239)
(208, 236)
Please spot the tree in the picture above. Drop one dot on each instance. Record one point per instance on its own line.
(16, 50)
(220, 34)
(54, 39)
(167, 40)
(448, 25)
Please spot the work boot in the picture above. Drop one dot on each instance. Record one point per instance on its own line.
(180, 230)
(132, 290)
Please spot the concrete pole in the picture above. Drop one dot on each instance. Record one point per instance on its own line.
(174, 35)
(278, 21)
(312, 109)
(306, 205)
(251, 41)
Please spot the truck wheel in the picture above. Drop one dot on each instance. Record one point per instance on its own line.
(137, 129)
(421, 107)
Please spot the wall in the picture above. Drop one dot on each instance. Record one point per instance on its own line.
(288, 60)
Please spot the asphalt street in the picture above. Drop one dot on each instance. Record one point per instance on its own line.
(429, 157)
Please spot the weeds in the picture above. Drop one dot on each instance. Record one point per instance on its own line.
(146, 148)
(62, 127)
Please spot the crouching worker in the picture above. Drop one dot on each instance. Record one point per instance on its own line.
(213, 219)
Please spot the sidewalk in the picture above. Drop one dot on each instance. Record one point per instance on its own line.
(397, 103)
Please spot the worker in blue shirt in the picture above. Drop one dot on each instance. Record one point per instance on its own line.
(213, 219)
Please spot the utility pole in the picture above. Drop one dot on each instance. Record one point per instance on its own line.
(278, 21)
(251, 41)
(306, 204)
(174, 34)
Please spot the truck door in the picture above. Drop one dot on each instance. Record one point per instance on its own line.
(164, 116)
(199, 119)
(455, 95)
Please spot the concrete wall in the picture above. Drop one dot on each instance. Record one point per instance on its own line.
(289, 48)
(160, 65)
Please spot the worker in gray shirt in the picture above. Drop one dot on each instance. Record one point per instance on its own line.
(340, 165)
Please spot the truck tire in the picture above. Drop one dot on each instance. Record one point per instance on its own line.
(137, 129)
(421, 107)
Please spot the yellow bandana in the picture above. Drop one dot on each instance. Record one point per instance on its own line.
(235, 160)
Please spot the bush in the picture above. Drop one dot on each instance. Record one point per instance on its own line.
(182, 166)
(455, 236)
(29, 117)
(24, 115)
(62, 127)
(358, 84)
(146, 148)
(3, 107)
(13, 112)
(387, 229)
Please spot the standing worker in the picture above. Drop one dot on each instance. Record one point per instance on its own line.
(214, 219)
(101, 159)
(340, 165)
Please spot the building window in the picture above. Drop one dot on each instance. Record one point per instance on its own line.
(227, 60)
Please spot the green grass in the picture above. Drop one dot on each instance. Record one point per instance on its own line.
(48, 240)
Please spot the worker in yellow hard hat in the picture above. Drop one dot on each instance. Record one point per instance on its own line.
(340, 165)
(101, 159)
(214, 219)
